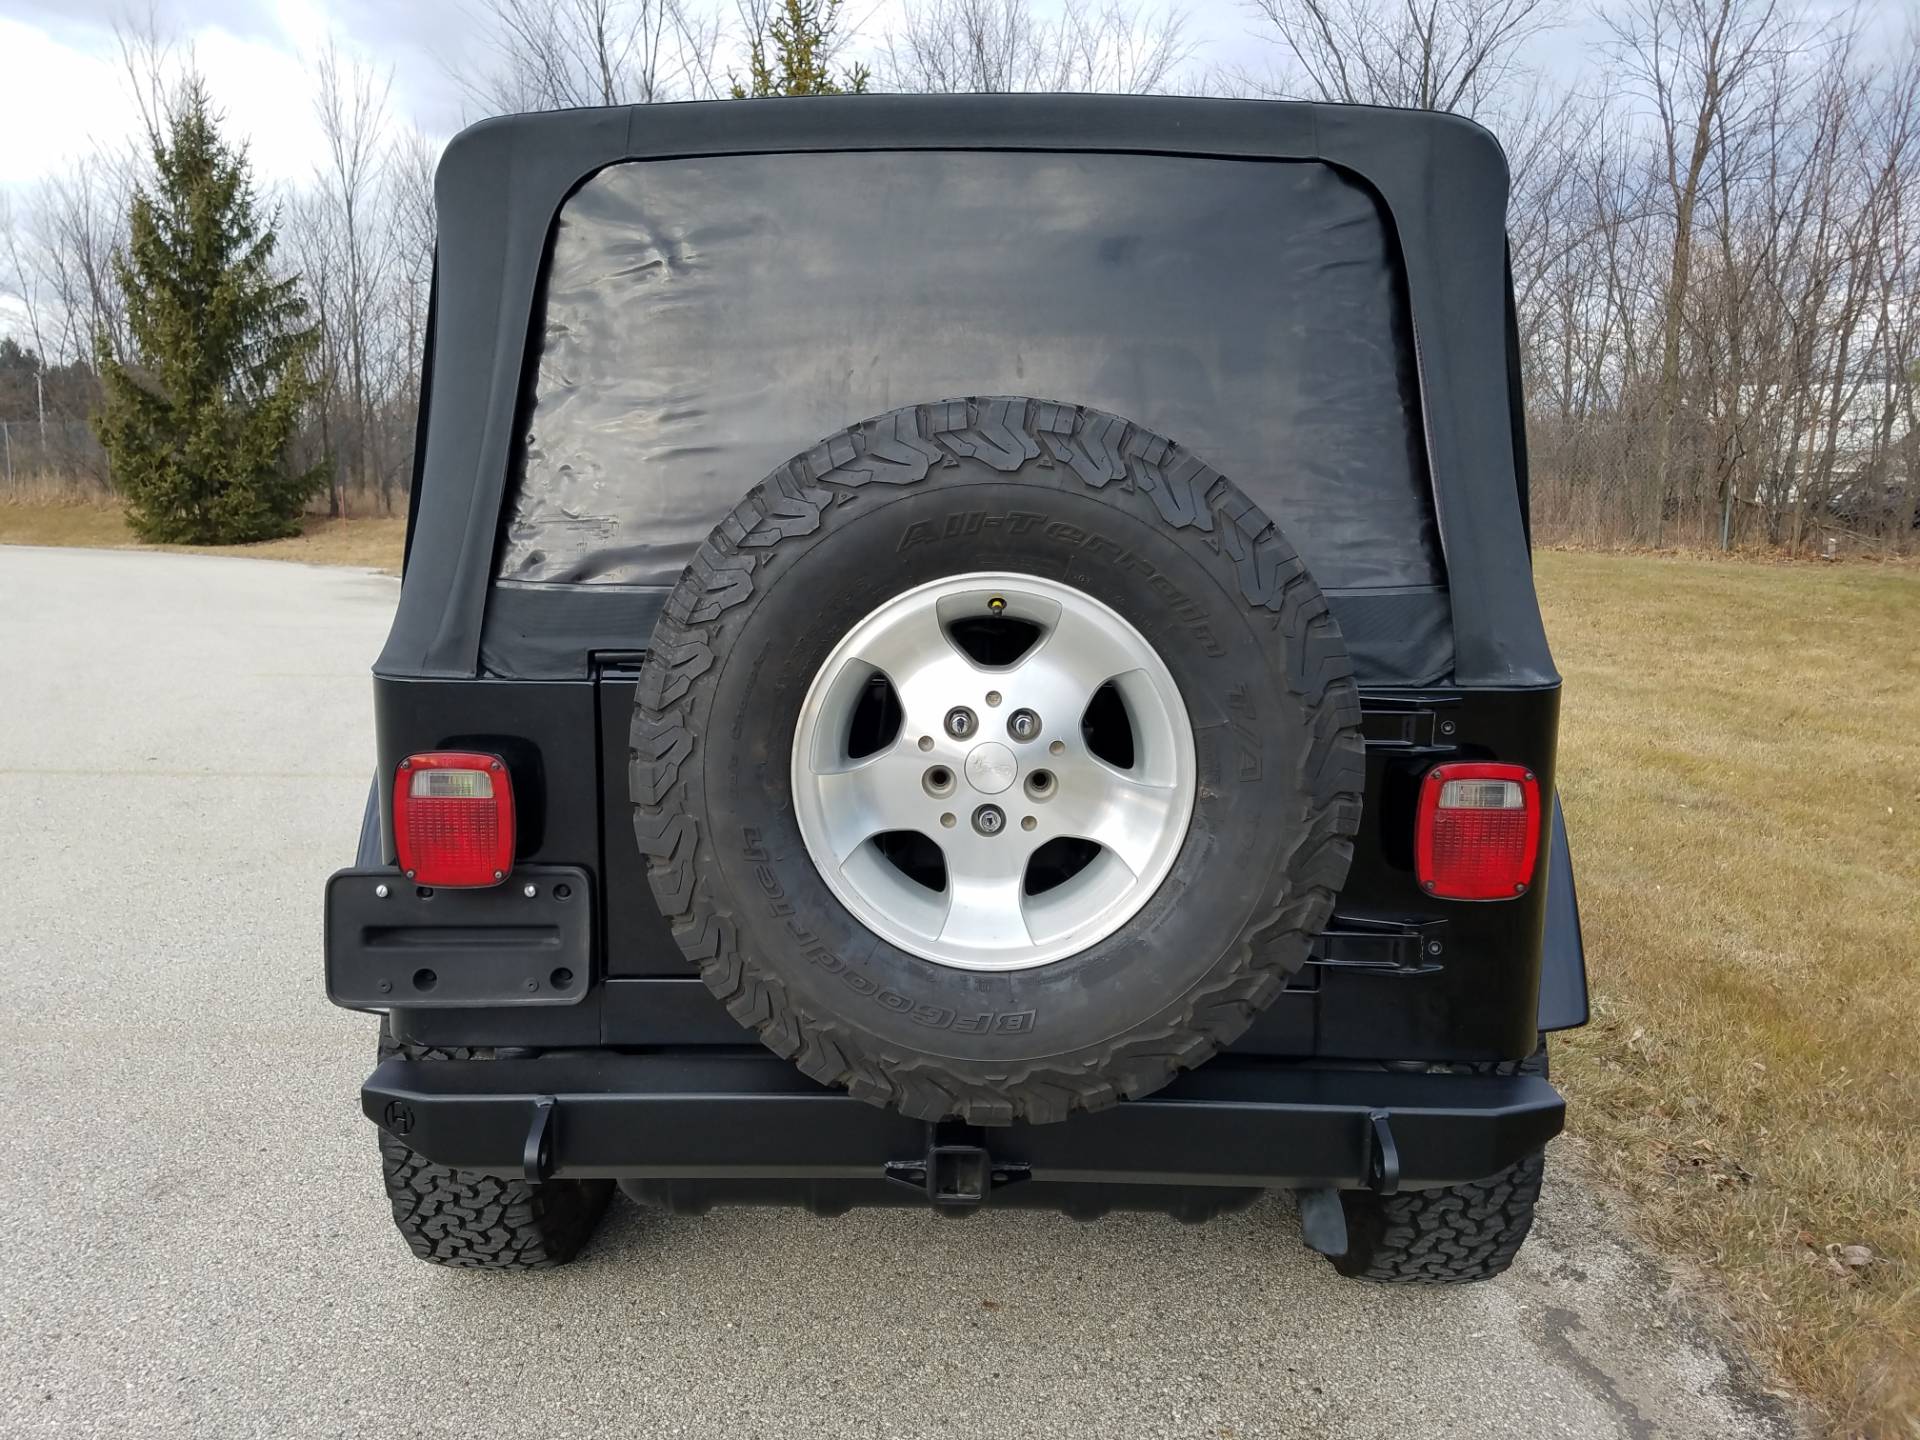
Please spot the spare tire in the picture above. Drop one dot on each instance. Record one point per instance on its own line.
(995, 759)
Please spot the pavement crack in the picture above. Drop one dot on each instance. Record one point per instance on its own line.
(1558, 1325)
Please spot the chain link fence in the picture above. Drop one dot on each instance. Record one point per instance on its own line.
(51, 459)
(1598, 482)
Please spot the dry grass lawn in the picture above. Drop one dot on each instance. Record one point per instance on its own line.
(374, 543)
(1740, 764)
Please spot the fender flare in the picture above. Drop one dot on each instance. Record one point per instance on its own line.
(1563, 958)
(371, 852)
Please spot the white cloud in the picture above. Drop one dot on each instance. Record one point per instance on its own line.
(265, 96)
(57, 102)
(64, 97)
(62, 93)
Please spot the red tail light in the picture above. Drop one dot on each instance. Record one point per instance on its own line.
(1478, 834)
(453, 818)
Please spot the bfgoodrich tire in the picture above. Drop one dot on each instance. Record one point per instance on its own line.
(1070, 507)
(1454, 1235)
(468, 1221)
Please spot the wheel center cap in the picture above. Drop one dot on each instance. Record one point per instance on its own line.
(991, 767)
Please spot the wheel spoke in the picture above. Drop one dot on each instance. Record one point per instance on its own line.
(1124, 814)
(871, 795)
(987, 911)
(1073, 660)
(909, 643)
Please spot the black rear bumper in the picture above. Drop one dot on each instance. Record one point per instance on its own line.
(747, 1116)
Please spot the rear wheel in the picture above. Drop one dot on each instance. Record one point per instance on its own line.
(471, 1221)
(1453, 1235)
(1449, 1236)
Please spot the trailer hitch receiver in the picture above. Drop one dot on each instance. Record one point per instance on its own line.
(957, 1173)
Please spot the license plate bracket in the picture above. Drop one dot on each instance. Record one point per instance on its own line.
(395, 945)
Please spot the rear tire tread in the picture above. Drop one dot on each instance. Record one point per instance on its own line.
(1449, 1236)
(470, 1221)
(1454, 1235)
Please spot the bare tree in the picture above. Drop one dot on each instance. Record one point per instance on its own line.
(313, 241)
(411, 218)
(1891, 492)
(74, 223)
(553, 54)
(350, 189)
(1695, 61)
(1716, 255)
(19, 280)
(1759, 388)
(1423, 54)
(994, 46)
(155, 66)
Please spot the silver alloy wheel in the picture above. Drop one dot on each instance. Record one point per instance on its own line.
(988, 798)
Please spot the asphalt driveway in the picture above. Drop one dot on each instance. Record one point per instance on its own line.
(196, 1243)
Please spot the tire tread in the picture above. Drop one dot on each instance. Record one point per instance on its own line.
(1451, 1236)
(470, 1221)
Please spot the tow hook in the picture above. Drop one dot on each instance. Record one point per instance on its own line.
(1383, 1168)
(536, 1156)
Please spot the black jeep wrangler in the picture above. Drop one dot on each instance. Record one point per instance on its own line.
(967, 651)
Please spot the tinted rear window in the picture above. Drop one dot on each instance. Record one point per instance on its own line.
(708, 319)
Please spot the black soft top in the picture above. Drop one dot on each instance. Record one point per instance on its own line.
(1442, 181)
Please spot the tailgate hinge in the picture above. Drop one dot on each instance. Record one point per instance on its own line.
(1394, 947)
(1414, 723)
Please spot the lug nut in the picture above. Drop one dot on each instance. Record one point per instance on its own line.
(961, 722)
(989, 820)
(1023, 725)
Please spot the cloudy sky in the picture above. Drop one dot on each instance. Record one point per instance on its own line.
(61, 91)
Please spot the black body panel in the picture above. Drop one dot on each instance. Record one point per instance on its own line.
(1480, 997)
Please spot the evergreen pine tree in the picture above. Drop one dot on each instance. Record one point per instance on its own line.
(800, 36)
(197, 418)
